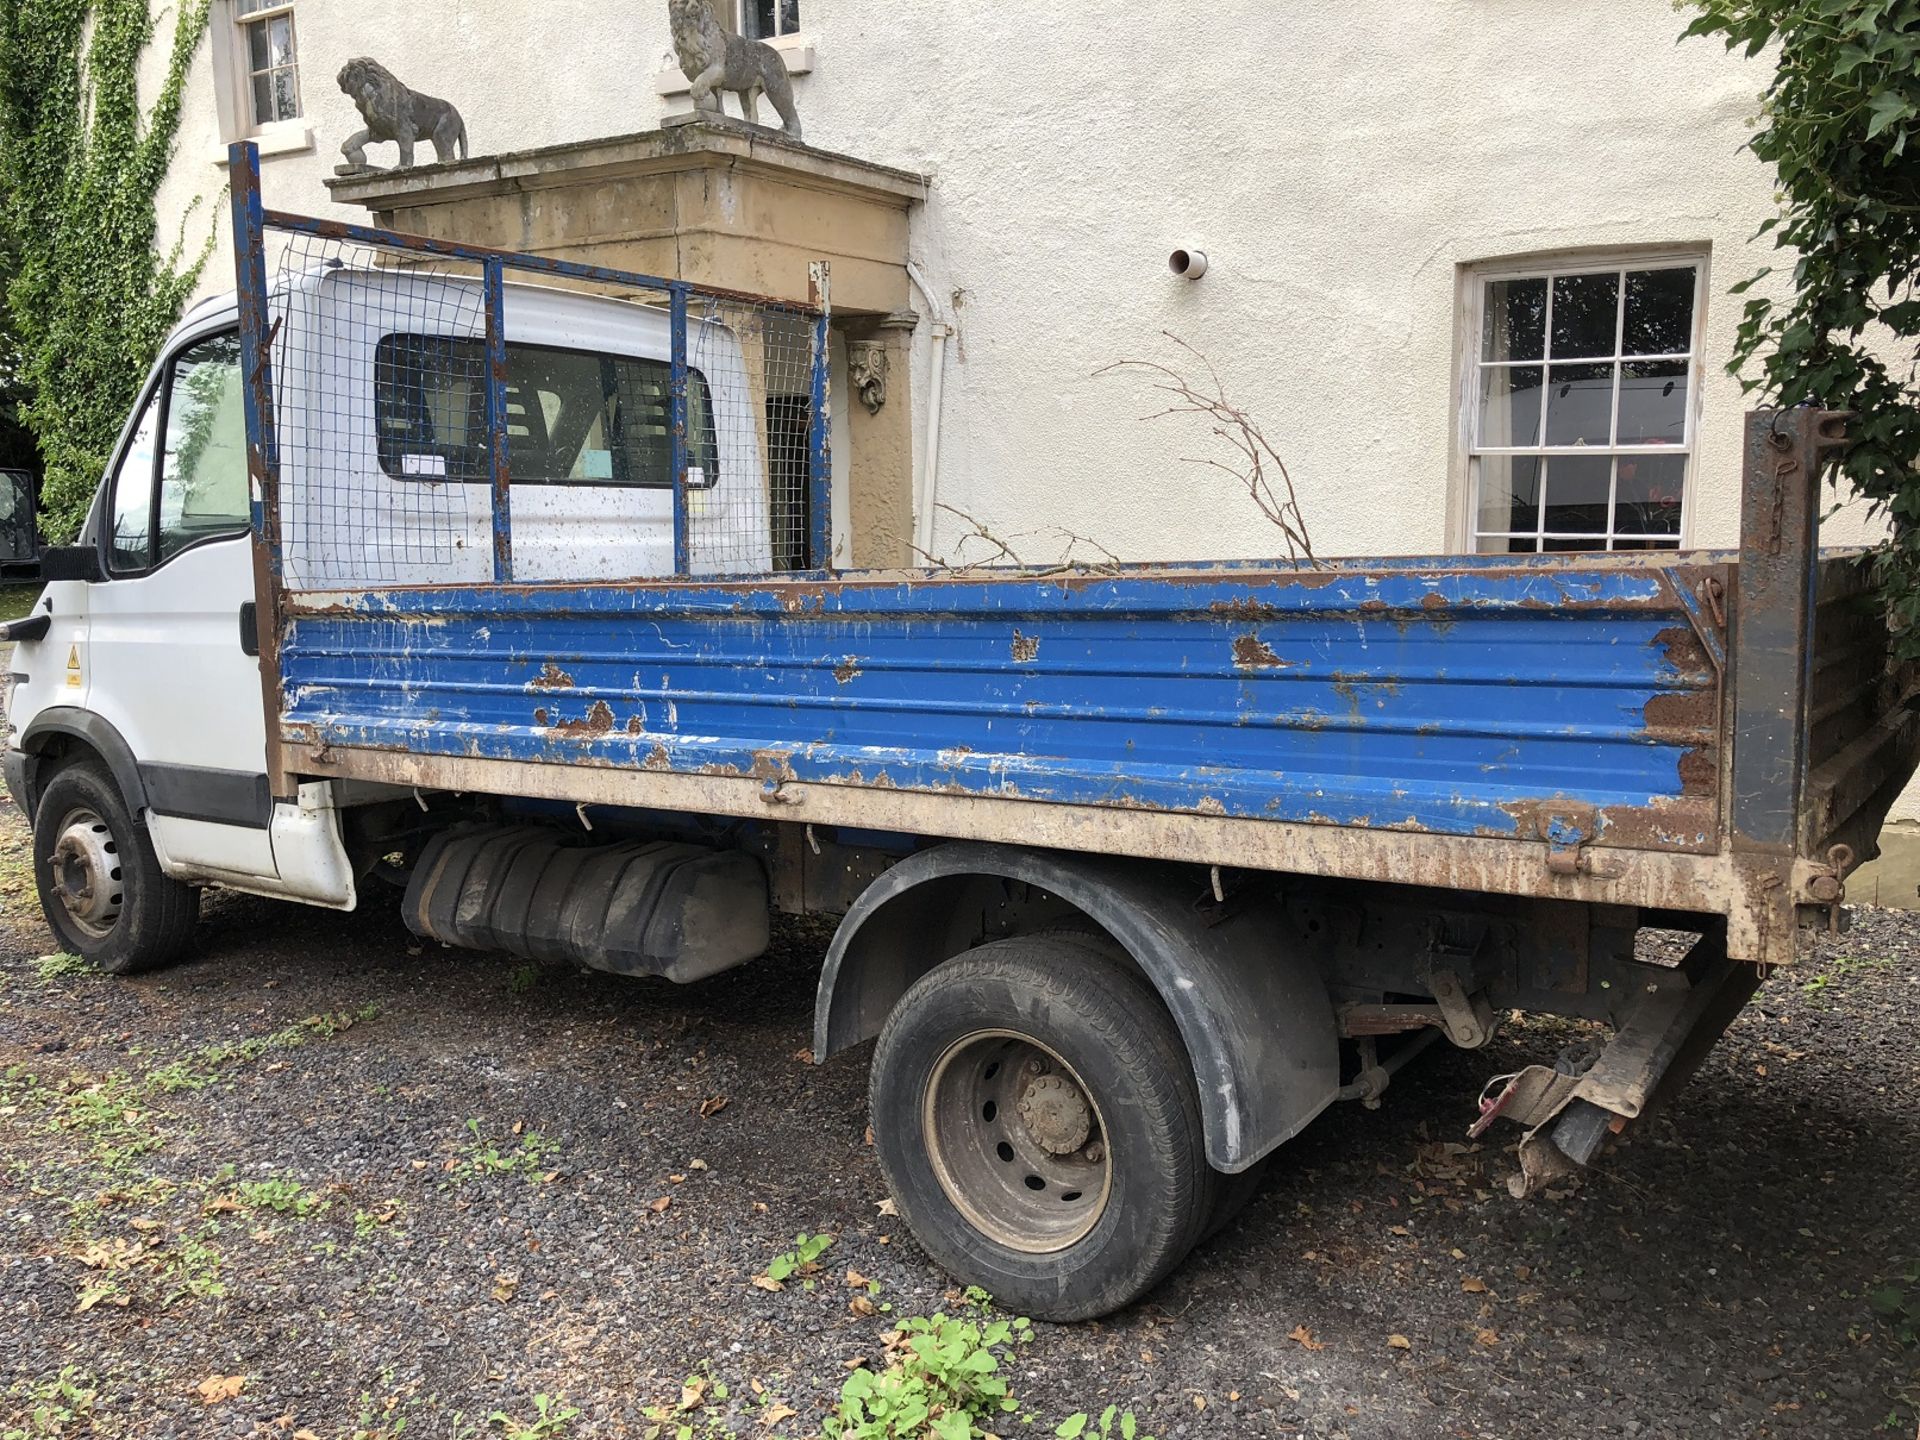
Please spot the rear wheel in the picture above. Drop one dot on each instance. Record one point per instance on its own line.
(1035, 1115)
(101, 887)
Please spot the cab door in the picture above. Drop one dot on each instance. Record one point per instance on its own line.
(168, 662)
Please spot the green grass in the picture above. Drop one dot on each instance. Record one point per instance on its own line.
(17, 600)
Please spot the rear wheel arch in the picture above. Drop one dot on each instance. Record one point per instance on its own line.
(1257, 1023)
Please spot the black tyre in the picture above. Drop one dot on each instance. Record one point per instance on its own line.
(101, 886)
(1035, 1116)
(1230, 1196)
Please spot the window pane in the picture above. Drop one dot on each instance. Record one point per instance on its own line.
(1577, 488)
(1509, 493)
(286, 95)
(259, 55)
(1659, 312)
(203, 471)
(1585, 314)
(1648, 497)
(279, 39)
(1580, 405)
(571, 415)
(1510, 405)
(263, 98)
(1515, 326)
(1507, 545)
(1653, 402)
(133, 495)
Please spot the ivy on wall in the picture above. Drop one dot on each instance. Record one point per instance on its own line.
(1840, 125)
(92, 294)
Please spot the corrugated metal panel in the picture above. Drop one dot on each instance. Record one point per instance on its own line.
(1573, 702)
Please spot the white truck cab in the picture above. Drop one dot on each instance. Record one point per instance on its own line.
(136, 732)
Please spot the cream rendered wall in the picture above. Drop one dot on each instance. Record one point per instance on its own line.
(1339, 161)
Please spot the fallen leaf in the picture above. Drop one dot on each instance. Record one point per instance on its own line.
(1233, 1394)
(1487, 1337)
(518, 1126)
(676, 1179)
(263, 1235)
(803, 1055)
(221, 1206)
(767, 1282)
(1399, 1342)
(887, 1207)
(1305, 1336)
(1523, 1272)
(659, 1206)
(712, 1106)
(1199, 1402)
(1474, 1285)
(216, 1388)
(696, 1163)
(1146, 1357)
(861, 1305)
(1398, 1230)
(1761, 1071)
(144, 1223)
(1457, 1253)
(305, 1435)
(503, 1287)
(692, 1393)
(774, 1414)
(855, 1280)
(869, 1134)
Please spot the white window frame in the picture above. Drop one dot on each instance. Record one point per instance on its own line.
(1476, 279)
(233, 84)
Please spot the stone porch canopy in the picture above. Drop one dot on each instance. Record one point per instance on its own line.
(716, 203)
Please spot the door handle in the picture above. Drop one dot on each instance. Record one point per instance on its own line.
(249, 628)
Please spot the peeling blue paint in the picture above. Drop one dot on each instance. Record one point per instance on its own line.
(1447, 698)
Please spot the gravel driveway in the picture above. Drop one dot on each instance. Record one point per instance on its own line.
(323, 1179)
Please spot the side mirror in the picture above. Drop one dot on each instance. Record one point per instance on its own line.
(71, 562)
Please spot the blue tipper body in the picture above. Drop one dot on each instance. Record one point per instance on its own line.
(1552, 698)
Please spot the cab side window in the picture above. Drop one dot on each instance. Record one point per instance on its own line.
(184, 476)
(131, 543)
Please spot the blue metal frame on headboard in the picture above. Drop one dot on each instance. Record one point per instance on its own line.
(252, 220)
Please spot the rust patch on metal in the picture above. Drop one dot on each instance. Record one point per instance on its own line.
(1689, 710)
(845, 670)
(1699, 771)
(540, 715)
(634, 727)
(1025, 647)
(1243, 607)
(551, 677)
(1433, 600)
(1250, 652)
(657, 758)
(598, 721)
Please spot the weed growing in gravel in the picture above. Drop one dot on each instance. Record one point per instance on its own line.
(485, 1157)
(802, 1260)
(552, 1419)
(60, 965)
(280, 1195)
(942, 1379)
(62, 1405)
(367, 1223)
(1841, 966)
(1897, 1303)
(522, 979)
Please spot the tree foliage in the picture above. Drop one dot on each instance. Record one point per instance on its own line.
(92, 295)
(1840, 125)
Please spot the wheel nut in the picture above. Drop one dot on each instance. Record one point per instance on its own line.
(1095, 1153)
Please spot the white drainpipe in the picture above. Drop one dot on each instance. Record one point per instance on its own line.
(926, 496)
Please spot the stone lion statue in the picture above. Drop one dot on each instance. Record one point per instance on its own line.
(393, 112)
(715, 61)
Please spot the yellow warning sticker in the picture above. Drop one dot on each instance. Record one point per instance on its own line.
(73, 665)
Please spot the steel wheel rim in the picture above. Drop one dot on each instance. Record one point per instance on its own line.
(86, 877)
(999, 1117)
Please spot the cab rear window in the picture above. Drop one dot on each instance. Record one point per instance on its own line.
(574, 417)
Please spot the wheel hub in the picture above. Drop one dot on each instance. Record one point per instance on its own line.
(1016, 1141)
(1056, 1115)
(86, 872)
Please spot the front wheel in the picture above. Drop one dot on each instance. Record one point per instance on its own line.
(101, 886)
(1035, 1116)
